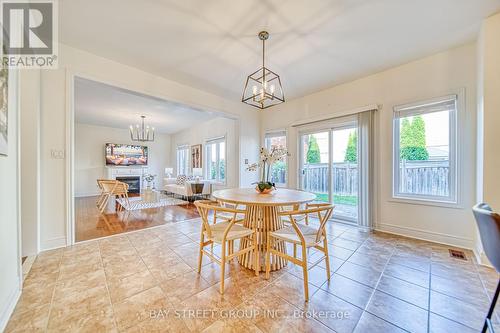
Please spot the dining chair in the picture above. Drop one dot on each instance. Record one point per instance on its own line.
(304, 236)
(102, 193)
(224, 233)
(315, 205)
(225, 216)
(121, 192)
(300, 218)
(111, 187)
(488, 223)
(107, 186)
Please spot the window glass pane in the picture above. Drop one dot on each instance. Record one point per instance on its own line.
(315, 153)
(215, 160)
(222, 161)
(182, 161)
(424, 154)
(279, 169)
(345, 172)
(212, 161)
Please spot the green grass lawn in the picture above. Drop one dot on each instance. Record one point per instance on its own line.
(338, 199)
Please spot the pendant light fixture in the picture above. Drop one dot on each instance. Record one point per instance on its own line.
(263, 87)
(142, 133)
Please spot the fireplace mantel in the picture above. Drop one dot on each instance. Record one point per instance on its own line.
(114, 172)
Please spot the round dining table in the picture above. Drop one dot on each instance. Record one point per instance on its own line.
(262, 214)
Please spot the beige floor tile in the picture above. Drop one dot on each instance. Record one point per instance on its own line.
(34, 296)
(33, 319)
(372, 324)
(372, 261)
(76, 300)
(232, 325)
(451, 308)
(124, 268)
(123, 287)
(360, 274)
(438, 324)
(334, 312)
(398, 312)
(211, 271)
(160, 324)
(339, 252)
(348, 290)
(345, 243)
(335, 264)
(469, 290)
(419, 263)
(73, 272)
(139, 307)
(71, 261)
(80, 283)
(291, 289)
(406, 291)
(97, 320)
(273, 314)
(184, 286)
(408, 274)
(166, 272)
(155, 269)
(316, 275)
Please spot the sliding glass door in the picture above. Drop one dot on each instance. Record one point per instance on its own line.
(315, 160)
(329, 168)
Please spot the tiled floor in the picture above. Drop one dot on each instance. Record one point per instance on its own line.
(146, 282)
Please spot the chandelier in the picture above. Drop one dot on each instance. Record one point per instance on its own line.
(142, 133)
(263, 87)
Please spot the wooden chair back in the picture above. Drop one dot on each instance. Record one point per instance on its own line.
(207, 208)
(324, 212)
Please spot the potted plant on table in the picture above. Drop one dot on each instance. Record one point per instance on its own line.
(265, 164)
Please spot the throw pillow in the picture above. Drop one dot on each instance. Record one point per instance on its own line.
(181, 180)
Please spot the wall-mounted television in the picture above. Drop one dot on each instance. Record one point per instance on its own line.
(126, 155)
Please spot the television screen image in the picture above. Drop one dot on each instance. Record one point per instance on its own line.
(126, 155)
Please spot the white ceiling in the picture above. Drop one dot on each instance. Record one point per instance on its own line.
(104, 105)
(314, 44)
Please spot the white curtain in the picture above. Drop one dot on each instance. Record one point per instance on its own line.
(366, 126)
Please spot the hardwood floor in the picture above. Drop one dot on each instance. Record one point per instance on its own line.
(90, 224)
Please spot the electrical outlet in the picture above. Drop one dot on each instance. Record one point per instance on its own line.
(57, 154)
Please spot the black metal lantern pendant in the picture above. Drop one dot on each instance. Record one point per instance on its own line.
(263, 87)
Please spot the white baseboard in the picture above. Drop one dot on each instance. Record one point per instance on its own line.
(84, 195)
(462, 242)
(53, 243)
(6, 312)
(481, 257)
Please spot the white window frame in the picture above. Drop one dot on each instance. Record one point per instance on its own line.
(274, 134)
(178, 164)
(419, 108)
(208, 143)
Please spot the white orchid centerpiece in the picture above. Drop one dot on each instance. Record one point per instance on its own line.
(267, 158)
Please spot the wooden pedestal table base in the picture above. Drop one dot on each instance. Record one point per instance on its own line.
(265, 219)
(262, 213)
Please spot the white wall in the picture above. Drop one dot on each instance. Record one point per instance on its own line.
(89, 163)
(429, 77)
(56, 99)
(10, 255)
(30, 160)
(199, 133)
(488, 119)
(490, 102)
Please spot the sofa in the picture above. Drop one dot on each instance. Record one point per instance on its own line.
(185, 187)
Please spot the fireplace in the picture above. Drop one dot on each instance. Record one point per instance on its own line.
(134, 183)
